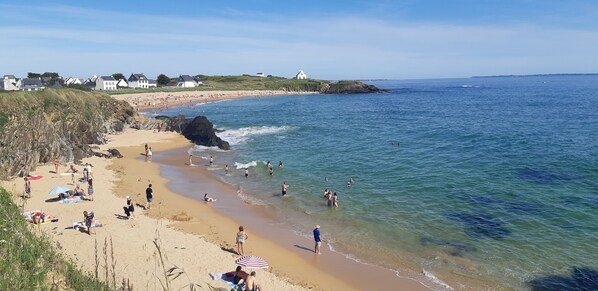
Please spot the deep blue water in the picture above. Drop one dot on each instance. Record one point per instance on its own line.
(491, 179)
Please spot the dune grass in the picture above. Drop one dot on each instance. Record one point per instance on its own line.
(30, 262)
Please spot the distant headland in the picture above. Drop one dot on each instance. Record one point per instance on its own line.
(539, 75)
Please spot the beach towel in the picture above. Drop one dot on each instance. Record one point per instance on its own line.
(81, 225)
(70, 200)
(69, 174)
(229, 279)
(34, 177)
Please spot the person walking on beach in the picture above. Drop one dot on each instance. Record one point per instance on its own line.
(211, 160)
(241, 237)
(27, 188)
(149, 195)
(246, 172)
(129, 208)
(149, 154)
(317, 239)
(284, 188)
(190, 160)
(56, 164)
(334, 200)
(90, 189)
(226, 169)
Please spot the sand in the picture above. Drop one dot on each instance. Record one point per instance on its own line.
(191, 234)
(165, 99)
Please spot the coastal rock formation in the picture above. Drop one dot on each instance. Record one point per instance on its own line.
(349, 87)
(36, 127)
(199, 130)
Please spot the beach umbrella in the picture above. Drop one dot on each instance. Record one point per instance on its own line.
(58, 189)
(252, 262)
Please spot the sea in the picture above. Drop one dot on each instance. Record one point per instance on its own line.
(491, 180)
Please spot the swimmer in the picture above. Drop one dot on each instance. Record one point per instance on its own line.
(226, 169)
(268, 165)
(334, 200)
(211, 160)
(280, 165)
(246, 172)
(284, 187)
(208, 199)
(271, 172)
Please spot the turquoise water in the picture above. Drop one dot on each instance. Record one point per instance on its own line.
(490, 180)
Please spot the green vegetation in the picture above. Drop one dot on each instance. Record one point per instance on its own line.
(245, 82)
(30, 262)
(66, 102)
(3, 121)
(163, 80)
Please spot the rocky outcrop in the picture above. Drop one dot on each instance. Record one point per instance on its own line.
(198, 130)
(349, 87)
(36, 127)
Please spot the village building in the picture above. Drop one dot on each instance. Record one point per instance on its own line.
(152, 83)
(138, 81)
(105, 83)
(30, 84)
(187, 81)
(122, 83)
(9, 83)
(301, 75)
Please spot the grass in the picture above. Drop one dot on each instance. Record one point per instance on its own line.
(230, 83)
(30, 262)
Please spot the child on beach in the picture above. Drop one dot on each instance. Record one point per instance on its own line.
(90, 189)
(27, 188)
(190, 160)
(88, 218)
(241, 237)
(56, 164)
(129, 208)
(149, 195)
(334, 200)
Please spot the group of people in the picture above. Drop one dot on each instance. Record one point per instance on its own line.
(240, 277)
(332, 199)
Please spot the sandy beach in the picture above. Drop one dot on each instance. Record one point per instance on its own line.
(166, 99)
(191, 234)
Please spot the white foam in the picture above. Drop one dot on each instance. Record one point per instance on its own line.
(247, 165)
(436, 280)
(244, 134)
(250, 199)
(197, 149)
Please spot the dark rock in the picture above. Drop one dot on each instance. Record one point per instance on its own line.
(115, 153)
(349, 87)
(201, 132)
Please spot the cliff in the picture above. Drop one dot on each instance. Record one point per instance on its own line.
(36, 127)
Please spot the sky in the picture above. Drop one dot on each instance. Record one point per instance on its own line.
(401, 39)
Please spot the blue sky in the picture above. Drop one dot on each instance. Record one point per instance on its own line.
(328, 39)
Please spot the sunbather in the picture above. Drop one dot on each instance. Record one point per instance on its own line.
(240, 276)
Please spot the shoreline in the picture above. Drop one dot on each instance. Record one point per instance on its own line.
(189, 230)
(156, 100)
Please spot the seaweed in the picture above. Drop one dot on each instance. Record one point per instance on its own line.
(479, 225)
(581, 278)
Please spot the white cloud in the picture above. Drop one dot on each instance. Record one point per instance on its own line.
(335, 48)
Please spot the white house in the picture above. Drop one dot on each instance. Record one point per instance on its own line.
(260, 75)
(138, 81)
(152, 83)
(73, 81)
(301, 75)
(30, 84)
(187, 81)
(105, 83)
(122, 83)
(9, 83)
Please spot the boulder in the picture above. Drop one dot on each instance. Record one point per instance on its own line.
(201, 132)
(349, 87)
